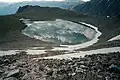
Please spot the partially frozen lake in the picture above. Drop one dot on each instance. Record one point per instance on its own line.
(63, 33)
(59, 31)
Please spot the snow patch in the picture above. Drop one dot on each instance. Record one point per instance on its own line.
(83, 53)
(32, 51)
(115, 38)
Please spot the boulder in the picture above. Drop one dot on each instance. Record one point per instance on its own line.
(11, 78)
(7, 61)
(1, 71)
(29, 76)
(13, 73)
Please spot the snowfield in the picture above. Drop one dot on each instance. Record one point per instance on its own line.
(83, 53)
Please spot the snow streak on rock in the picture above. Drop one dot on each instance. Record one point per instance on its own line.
(115, 38)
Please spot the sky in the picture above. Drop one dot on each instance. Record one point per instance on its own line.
(10, 1)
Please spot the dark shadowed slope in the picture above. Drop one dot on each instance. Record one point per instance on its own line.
(100, 8)
(43, 13)
(9, 23)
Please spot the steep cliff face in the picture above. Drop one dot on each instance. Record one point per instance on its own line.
(25, 8)
(99, 8)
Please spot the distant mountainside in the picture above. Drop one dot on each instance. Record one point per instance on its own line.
(99, 8)
(11, 9)
(44, 13)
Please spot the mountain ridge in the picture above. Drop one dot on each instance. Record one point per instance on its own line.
(12, 8)
(38, 12)
(106, 8)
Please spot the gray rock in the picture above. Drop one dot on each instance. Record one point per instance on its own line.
(29, 76)
(12, 67)
(7, 61)
(13, 72)
(107, 78)
(1, 78)
(11, 78)
(1, 71)
(73, 74)
(79, 70)
(54, 73)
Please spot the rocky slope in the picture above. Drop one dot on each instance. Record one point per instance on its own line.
(108, 8)
(91, 67)
(37, 12)
(9, 23)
